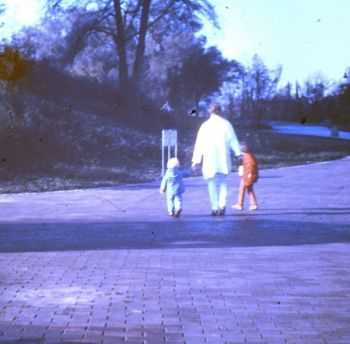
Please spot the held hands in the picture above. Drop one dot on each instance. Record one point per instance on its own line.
(239, 159)
(195, 167)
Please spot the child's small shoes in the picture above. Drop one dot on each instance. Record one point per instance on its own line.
(237, 206)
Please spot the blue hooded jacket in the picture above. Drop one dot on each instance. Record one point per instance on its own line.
(172, 182)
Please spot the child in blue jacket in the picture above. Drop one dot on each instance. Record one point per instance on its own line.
(172, 184)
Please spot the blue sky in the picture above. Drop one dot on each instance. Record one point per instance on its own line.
(305, 36)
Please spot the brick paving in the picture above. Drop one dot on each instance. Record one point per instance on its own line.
(108, 265)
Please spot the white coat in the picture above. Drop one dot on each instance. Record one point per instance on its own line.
(215, 140)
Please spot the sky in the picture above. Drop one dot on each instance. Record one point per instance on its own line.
(306, 37)
(21, 12)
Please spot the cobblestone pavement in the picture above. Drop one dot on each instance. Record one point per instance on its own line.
(108, 266)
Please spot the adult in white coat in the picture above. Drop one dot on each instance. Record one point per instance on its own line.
(215, 140)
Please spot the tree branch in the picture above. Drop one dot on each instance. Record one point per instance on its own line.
(163, 13)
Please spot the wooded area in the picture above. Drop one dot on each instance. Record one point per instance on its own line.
(150, 52)
(122, 61)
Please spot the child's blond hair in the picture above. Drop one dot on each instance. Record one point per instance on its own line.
(173, 162)
(244, 147)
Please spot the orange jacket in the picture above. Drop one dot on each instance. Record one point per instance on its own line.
(250, 169)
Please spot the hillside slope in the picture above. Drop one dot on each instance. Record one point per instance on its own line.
(62, 148)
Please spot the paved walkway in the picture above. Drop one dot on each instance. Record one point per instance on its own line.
(309, 130)
(109, 266)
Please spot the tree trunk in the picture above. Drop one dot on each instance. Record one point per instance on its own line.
(140, 51)
(121, 47)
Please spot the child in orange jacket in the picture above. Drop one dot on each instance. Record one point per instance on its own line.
(249, 173)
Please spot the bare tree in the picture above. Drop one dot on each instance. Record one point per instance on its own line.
(202, 74)
(259, 85)
(127, 24)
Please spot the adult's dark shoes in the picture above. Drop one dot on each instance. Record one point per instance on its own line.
(178, 213)
(222, 211)
(214, 213)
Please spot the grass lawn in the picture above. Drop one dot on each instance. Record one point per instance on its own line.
(136, 159)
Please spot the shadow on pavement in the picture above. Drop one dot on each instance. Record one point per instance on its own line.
(295, 212)
(179, 233)
(312, 210)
